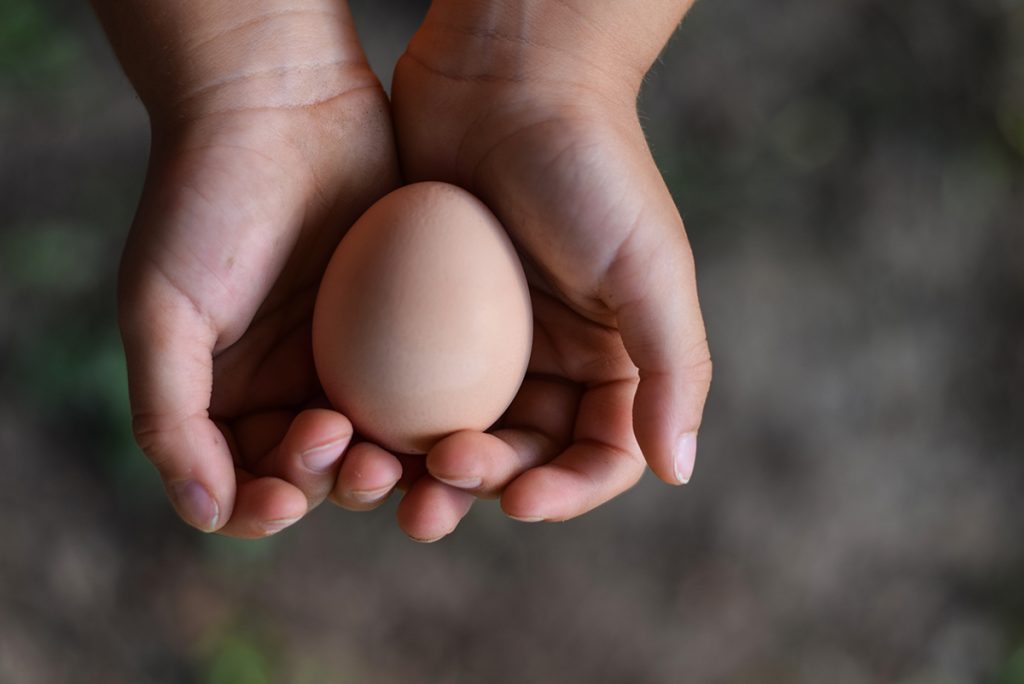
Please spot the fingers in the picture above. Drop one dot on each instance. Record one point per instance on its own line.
(518, 466)
(308, 456)
(579, 480)
(170, 374)
(651, 287)
(264, 506)
(368, 475)
(168, 348)
(540, 423)
(431, 510)
(428, 511)
(484, 463)
(603, 461)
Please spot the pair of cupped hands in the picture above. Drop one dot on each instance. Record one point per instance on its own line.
(271, 135)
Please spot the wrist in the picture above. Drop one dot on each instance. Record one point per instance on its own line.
(603, 45)
(523, 41)
(192, 58)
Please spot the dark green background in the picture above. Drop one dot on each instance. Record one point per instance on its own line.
(852, 177)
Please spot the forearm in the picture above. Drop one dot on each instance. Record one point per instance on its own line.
(588, 40)
(189, 58)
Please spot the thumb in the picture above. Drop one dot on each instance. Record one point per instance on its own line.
(169, 352)
(651, 288)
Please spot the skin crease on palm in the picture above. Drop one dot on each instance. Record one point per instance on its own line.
(271, 136)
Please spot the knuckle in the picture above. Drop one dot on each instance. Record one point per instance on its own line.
(150, 432)
(704, 371)
(697, 362)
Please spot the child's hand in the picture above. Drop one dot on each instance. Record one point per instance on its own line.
(529, 113)
(270, 137)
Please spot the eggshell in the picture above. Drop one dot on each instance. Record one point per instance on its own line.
(423, 324)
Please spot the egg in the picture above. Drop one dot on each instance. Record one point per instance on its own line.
(423, 325)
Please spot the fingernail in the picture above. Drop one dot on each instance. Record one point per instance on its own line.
(320, 459)
(468, 483)
(426, 541)
(526, 519)
(686, 454)
(275, 526)
(195, 504)
(371, 496)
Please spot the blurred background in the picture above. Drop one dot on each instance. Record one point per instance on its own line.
(852, 177)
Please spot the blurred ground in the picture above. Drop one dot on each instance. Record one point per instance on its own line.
(852, 176)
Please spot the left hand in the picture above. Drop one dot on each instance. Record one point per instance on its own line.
(264, 152)
(620, 367)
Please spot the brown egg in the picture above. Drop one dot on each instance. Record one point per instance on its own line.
(423, 324)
